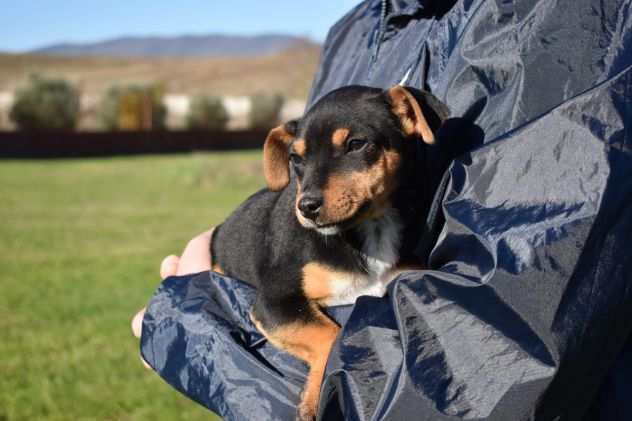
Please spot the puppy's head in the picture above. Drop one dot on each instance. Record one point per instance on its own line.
(347, 152)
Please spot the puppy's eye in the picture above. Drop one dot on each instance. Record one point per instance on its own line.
(296, 159)
(356, 145)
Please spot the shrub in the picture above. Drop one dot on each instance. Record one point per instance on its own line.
(133, 107)
(265, 110)
(208, 113)
(46, 104)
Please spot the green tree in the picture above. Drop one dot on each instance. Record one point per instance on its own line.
(46, 104)
(265, 110)
(208, 113)
(133, 107)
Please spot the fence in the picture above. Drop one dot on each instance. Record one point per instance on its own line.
(85, 144)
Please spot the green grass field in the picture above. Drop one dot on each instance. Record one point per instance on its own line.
(81, 242)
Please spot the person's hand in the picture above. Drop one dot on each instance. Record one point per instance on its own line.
(195, 258)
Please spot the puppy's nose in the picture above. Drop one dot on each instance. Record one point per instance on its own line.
(310, 206)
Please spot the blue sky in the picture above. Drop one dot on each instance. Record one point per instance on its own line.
(26, 24)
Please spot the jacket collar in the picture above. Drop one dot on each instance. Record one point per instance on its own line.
(388, 9)
(405, 7)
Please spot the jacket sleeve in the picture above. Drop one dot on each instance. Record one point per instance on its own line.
(198, 337)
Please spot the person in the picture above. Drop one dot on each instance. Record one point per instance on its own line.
(195, 258)
(525, 310)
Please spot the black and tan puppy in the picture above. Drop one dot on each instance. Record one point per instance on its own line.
(332, 224)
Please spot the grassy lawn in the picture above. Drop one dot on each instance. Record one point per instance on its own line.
(81, 241)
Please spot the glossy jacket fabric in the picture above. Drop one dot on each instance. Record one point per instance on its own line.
(526, 307)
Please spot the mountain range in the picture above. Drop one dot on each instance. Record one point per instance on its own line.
(179, 46)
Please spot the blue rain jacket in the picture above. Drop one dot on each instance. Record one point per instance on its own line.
(526, 309)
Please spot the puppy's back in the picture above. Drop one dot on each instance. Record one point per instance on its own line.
(244, 243)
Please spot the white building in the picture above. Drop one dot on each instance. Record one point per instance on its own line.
(6, 100)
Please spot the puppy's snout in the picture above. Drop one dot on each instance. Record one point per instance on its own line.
(310, 206)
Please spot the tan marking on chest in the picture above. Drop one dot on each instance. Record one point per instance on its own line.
(328, 287)
(319, 280)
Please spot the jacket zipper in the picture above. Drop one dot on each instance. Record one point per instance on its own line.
(380, 32)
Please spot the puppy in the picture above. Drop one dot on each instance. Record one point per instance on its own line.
(333, 223)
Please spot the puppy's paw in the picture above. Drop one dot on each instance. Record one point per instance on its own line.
(305, 412)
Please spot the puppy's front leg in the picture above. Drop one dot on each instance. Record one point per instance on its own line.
(309, 339)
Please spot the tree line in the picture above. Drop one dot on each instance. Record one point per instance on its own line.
(55, 105)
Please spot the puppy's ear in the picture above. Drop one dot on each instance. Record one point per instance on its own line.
(420, 113)
(276, 156)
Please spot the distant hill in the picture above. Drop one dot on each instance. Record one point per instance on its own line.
(289, 72)
(180, 46)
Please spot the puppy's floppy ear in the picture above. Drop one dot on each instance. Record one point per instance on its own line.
(420, 113)
(276, 156)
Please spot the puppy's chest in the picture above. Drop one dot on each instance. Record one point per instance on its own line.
(378, 254)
